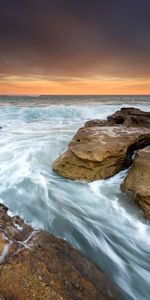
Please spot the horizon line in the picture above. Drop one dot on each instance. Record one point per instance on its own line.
(68, 95)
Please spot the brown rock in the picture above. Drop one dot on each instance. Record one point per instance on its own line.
(131, 117)
(100, 152)
(96, 122)
(10, 226)
(3, 243)
(137, 183)
(102, 148)
(42, 267)
(128, 117)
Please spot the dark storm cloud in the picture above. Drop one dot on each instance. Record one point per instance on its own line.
(75, 37)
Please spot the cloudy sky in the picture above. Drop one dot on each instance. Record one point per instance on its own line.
(74, 47)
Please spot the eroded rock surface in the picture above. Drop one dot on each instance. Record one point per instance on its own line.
(103, 148)
(137, 183)
(129, 117)
(37, 265)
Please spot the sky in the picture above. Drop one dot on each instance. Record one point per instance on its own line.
(75, 47)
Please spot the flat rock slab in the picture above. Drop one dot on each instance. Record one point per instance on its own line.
(37, 265)
(98, 152)
(137, 183)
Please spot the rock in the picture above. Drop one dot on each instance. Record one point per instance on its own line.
(96, 122)
(137, 183)
(100, 152)
(38, 265)
(14, 228)
(3, 243)
(129, 117)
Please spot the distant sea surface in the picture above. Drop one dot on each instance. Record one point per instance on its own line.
(94, 217)
(69, 100)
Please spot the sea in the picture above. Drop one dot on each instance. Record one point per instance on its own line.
(94, 218)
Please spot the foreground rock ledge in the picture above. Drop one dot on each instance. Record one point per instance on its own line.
(103, 148)
(37, 265)
(137, 183)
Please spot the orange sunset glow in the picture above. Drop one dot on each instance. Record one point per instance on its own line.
(80, 86)
(74, 47)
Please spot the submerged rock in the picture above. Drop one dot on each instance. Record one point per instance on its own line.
(37, 265)
(137, 183)
(103, 148)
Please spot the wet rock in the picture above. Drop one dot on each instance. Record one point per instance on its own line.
(137, 183)
(97, 122)
(3, 243)
(128, 117)
(38, 265)
(14, 228)
(100, 152)
(131, 117)
(2, 296)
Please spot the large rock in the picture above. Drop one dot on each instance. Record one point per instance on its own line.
(137, 183)
(129, 117)
(102, 148)
(37, 265)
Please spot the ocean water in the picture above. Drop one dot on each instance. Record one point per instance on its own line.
(94, 217)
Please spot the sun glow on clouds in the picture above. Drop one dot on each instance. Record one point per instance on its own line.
(73, 86)
(74, 47)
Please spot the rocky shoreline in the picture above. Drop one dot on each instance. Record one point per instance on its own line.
(37, 265)
(102, 148)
